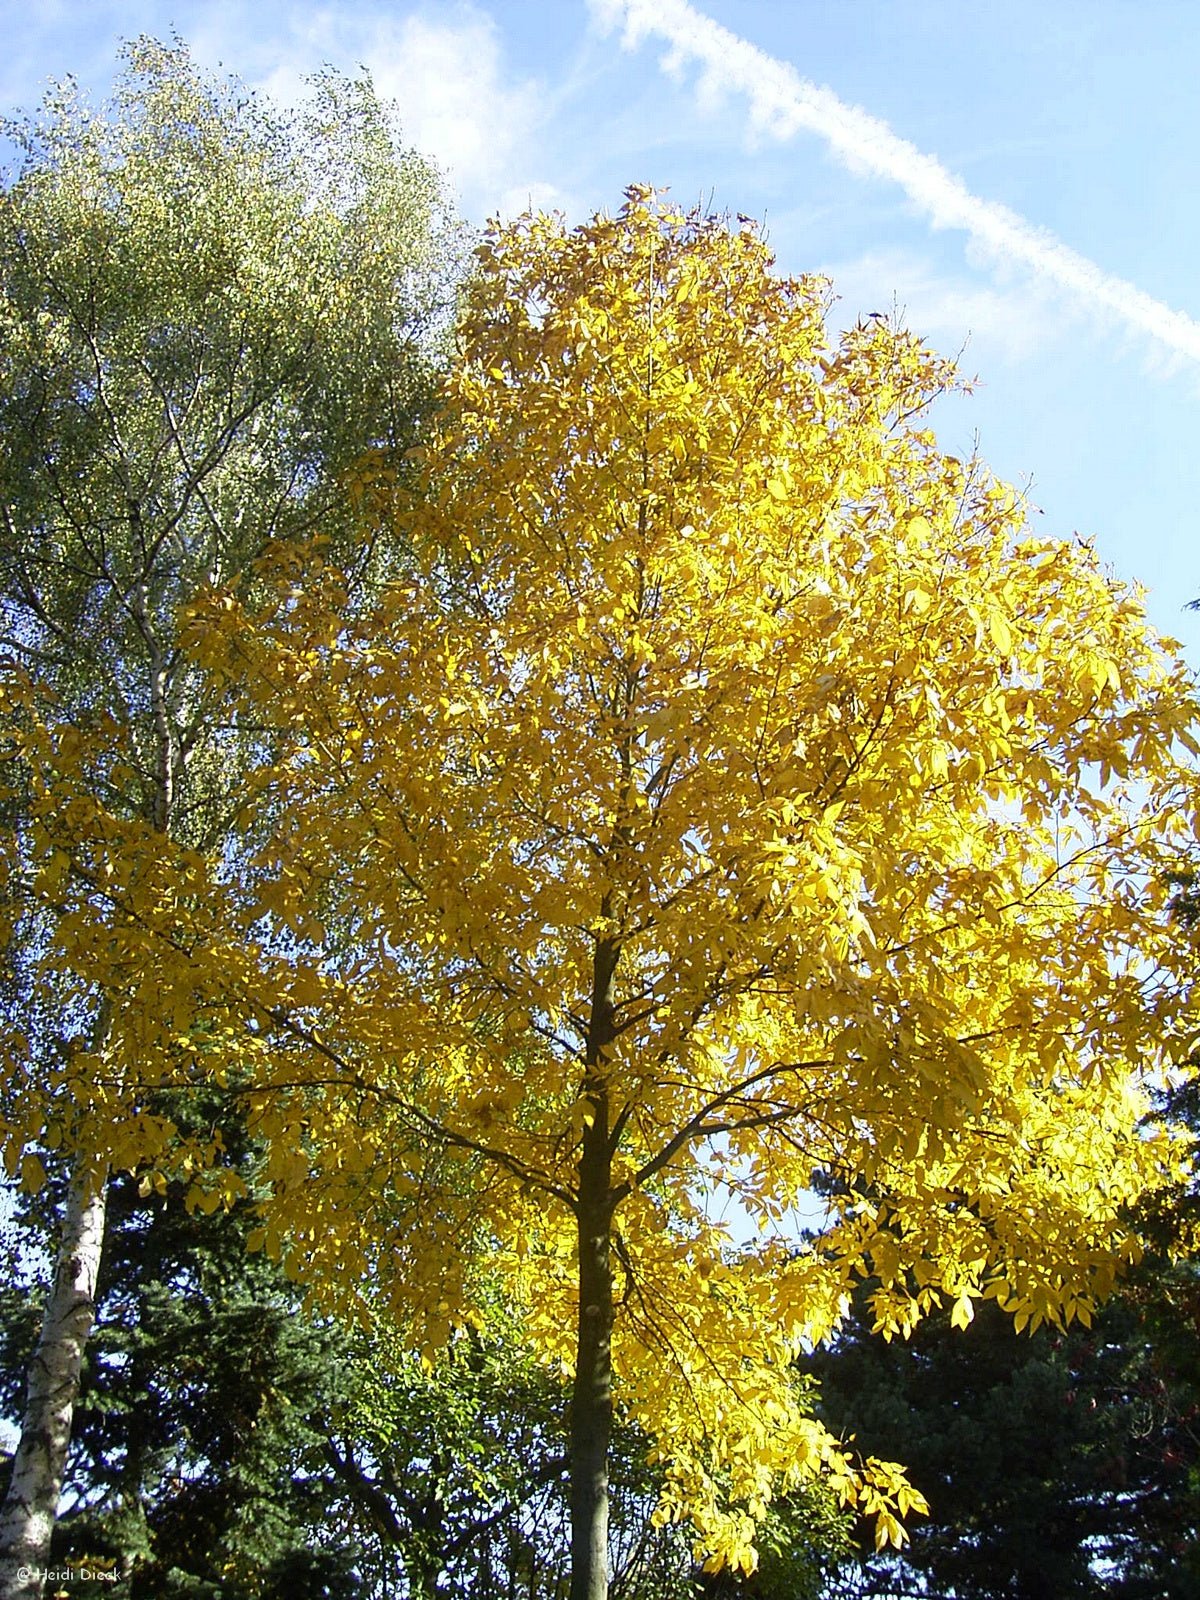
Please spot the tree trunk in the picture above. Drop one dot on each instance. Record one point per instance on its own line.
(591, 1398)
(591, 1401)
(31, 1507)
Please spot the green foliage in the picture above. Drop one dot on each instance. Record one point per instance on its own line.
(197, 1464)
(209, 313)
(1058, 1464)
(461, 1468)
(804, 1543)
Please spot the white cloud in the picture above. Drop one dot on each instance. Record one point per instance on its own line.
(444, 67)
(781, 103)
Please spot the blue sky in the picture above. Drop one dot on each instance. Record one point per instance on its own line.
(1078, 116)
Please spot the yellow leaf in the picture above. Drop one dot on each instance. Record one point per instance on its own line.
(1001, 633)
(962, 1312)
(33, 1173)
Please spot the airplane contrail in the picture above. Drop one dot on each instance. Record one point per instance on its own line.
(782, 103)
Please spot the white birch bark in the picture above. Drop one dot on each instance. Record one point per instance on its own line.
(31, 1507)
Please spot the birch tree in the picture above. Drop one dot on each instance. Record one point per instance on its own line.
(208, 313)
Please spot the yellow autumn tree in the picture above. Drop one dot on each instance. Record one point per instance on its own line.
(728, 790)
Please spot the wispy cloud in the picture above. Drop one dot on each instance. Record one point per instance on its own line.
(782, 103)
(955, 311)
